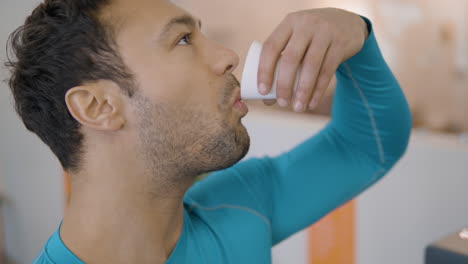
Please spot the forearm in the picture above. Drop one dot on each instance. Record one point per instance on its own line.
(370, 111)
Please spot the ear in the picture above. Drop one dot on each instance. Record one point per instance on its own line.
(97, 105)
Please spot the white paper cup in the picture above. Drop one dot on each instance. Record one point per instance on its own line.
(249, 84)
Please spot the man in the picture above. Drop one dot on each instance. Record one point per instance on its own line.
(136, 102)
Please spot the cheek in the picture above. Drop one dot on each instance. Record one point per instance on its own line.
(186, 84)
(192, 89)
(167, 86)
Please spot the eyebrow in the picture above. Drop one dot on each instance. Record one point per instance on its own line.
(186, 20)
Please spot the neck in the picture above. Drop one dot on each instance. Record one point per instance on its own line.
(116, 216)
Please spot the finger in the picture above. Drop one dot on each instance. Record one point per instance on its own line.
(288, 66)
(312, 64)
(269, 102)
(332, 60)
(269, 56)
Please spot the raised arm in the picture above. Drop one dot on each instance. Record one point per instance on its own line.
(368, 133)
(366, 136)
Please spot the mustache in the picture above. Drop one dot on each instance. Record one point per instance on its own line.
(231, 84)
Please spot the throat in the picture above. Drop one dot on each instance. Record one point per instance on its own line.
(98, 231)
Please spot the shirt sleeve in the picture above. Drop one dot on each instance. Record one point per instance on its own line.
(368, 133)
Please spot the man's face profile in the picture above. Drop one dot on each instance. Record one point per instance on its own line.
(181, 118)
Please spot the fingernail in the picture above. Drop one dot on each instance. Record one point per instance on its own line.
(298, 106)
(282, 102)
(263, 89)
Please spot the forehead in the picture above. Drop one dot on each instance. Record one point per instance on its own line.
(141, 14)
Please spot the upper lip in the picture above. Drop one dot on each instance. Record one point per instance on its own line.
(237, 96)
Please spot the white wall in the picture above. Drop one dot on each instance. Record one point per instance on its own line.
(30, 173)
(423, 199)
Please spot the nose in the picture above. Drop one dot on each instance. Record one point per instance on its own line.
(225, 60)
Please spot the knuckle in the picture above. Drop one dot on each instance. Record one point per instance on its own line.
(339, 42)
(326, 26)
(301, 20)
(291, 56)
(290, 16)
(304, 27)
(270, 46)
(310, 65)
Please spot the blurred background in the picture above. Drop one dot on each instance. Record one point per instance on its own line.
(425, 197)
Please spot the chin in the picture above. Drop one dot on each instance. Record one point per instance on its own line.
(230, 148)
(243, 142)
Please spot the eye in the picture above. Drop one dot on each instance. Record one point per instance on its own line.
(186, 39)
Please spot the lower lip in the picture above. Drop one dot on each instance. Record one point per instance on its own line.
(242, 107)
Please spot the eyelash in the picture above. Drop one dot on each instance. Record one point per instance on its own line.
(187, 37)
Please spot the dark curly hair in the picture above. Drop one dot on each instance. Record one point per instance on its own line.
(62, 44)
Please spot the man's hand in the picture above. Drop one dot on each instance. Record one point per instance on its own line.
(321, 39)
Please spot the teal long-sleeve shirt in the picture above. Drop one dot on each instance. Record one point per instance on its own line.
(236, 215)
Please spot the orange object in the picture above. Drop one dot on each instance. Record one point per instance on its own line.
(332, 239)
